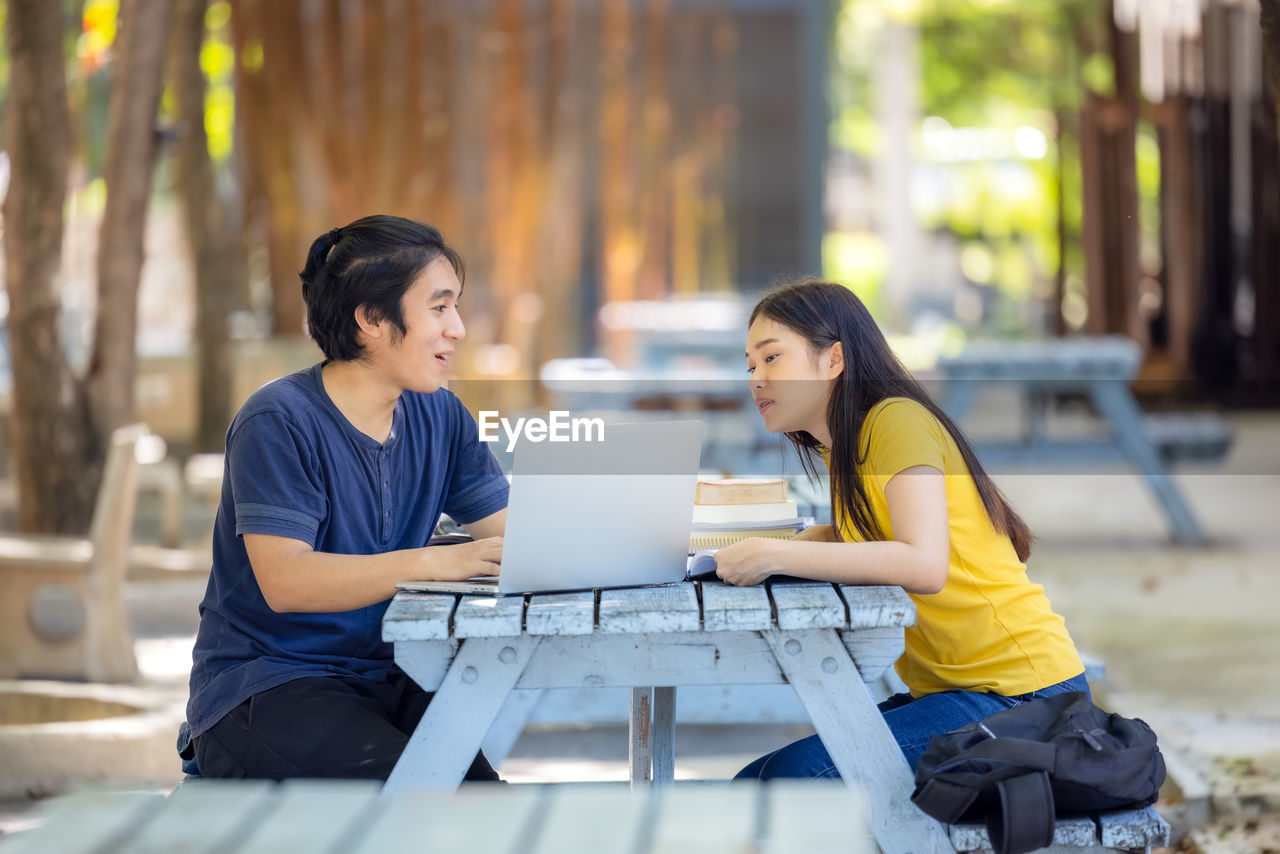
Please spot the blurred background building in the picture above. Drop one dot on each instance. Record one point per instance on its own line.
(620, 169)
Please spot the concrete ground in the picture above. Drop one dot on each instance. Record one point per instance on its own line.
(1188, 635)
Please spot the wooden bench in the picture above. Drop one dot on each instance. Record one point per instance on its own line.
(1188, 436)
(62, 610)
(1136, 831)
(355, 817)
(201, 479)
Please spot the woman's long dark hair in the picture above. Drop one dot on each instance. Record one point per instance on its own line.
(823, 313)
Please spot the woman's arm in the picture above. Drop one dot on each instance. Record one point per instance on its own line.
(295, 577)
(818, 534)
(916, 559)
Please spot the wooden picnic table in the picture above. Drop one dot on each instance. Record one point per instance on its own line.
(1101, 369)
(355, 817)
(825, 640)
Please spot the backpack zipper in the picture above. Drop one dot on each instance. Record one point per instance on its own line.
(1089, 739)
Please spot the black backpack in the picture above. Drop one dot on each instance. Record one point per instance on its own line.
(1019, 768)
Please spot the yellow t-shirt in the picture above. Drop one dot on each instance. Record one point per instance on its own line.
(989, 628)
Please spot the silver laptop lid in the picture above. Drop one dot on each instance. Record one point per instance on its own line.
(609, 513)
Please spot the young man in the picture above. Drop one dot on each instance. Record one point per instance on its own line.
(335, 478)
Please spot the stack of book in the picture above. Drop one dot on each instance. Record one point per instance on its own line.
(725, 511)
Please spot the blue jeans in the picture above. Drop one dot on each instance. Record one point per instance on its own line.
(913, 723)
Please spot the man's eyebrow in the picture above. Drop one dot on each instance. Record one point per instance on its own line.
(442, 293)
(760, 344)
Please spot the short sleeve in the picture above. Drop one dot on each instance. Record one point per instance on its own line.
(275, 479)
(901, 434)
(477, 487)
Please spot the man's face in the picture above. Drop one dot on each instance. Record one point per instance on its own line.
(420, 358)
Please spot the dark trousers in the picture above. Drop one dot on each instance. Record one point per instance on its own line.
(320, 726)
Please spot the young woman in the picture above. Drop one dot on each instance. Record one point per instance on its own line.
(912, 507)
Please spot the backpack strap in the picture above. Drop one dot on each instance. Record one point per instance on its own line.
(1025, 820)
(943, 799)
(1024, 752)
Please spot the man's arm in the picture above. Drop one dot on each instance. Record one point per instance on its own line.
(295, 577)
(493, 525)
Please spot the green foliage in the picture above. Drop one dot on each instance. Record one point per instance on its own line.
(1099, 74)
(858, 260)
(1019, 52)
(88, 44)
(218, 61)
(993, 70)
(857, 24)
(1147, 166)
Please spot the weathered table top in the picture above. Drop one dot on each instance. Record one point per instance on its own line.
(706, 606)
(354, 817)
(1083, 357)
(824, 640)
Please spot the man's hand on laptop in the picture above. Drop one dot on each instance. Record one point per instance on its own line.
(460, 562)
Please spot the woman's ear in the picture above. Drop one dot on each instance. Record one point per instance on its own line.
(835, 360)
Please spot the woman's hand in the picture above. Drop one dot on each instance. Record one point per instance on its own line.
(462, 561)
(750, 561)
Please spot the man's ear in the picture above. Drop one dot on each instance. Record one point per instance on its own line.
(835, 360)
(370, 327)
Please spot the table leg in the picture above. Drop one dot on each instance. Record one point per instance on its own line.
(1121, 411)
(958, 396)
(640, 729)
(853, 731)
(465, 706)
(1035, 412)
(664, 735)
(511, 721)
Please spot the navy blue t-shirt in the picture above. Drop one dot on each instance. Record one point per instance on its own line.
(295, 467)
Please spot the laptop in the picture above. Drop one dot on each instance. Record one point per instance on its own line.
(584, 514)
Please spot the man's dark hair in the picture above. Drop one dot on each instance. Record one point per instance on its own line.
(370, 263)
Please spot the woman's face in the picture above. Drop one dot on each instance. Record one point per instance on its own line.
(789, 383)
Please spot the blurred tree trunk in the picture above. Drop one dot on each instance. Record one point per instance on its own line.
(653, 275)
(619, 239)
(211, 230)
(560, 259)
(131, 147)
(1271, 48)
(60, 423)
(272, 111)
(53, 442)
(552, 143)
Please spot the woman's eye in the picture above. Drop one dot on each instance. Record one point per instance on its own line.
(768, 359)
